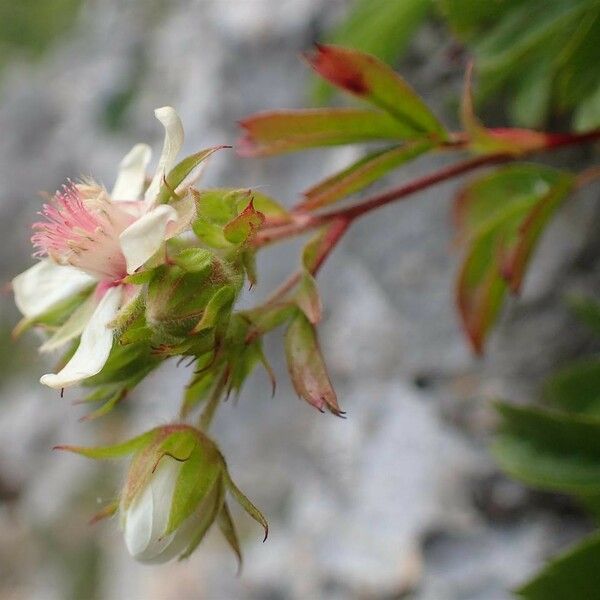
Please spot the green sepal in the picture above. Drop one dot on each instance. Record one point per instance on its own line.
(140, 277)
(115, 451)
(245, 503)
(197, 476)
(266, 318)
(210, 510)
(181, 171)
(128, 314)
(227, 527)
(194, 260)
(55, 316)
(217, 309)
(197, 392)
(241, 229)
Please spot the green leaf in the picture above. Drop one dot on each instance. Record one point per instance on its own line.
(588, 310)
(485, 197)
(573, 575)
(115, 451)
(371, 80)
(587, 115)
(361, 174)
(308, 298)
(275, 132)
(468, 17)
(526, 28)
(530, 104)
(549, 450)
(577, 75)
(245, 503)
(307, 367)
(181, 171)
(576, 388)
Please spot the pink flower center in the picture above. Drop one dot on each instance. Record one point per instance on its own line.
(81, 227)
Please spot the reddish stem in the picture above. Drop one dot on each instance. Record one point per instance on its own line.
(341, 219)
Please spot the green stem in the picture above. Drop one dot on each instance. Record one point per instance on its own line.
(210, 409)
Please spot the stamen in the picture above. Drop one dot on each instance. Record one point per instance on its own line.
(81, 227)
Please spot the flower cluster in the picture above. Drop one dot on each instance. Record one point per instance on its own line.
(131, 277)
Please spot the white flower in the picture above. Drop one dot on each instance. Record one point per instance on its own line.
(91, 238)
(145, 521)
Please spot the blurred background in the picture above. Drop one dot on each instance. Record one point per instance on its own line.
(401, 499)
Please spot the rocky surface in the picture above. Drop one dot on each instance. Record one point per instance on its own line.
(400, 499)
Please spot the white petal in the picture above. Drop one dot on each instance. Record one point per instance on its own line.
(143, 238)
(72, 327)
(132, 173)
(147, 518)
(45, 284)
(94, 347)
(171, 147)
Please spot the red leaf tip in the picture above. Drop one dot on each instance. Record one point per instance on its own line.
(332, 64)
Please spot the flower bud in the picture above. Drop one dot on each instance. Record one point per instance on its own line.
(174, 491)
(146, 519)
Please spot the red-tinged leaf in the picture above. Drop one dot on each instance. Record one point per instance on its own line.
(483, 198)
(314, 249)
(178, 174)
(362, 173)
(493, 141)
(371, 80)
(530, 230)
(242, 228)
(307, 367)
(308, 298)
(275, 132)
(480, 287)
